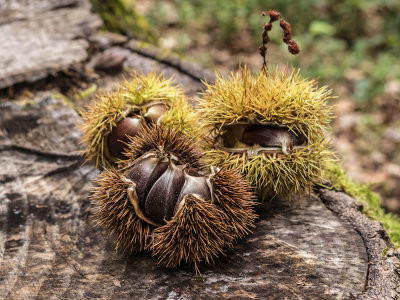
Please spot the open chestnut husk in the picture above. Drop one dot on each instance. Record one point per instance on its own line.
(165, 201)
(113, 118)
(258, 138)
(130, 126)
(272, 126)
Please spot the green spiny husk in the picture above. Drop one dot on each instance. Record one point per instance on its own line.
(102, 115)
(280, 97)
(274, 175)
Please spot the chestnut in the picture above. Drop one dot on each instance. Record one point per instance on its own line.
(119, 135)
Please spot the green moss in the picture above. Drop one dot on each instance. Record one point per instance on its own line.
(121, 16)
(86, 92)
(370, 200)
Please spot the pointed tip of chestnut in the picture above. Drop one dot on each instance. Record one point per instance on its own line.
(119, 135)
(194, 185)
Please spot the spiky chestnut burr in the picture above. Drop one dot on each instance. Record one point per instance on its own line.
(270, 126)
(165, 201)
(145, 99)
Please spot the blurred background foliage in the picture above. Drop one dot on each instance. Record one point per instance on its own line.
(344, 34)
(351, 45)
(121, 16)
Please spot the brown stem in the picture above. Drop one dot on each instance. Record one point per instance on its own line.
(287, 36)
(273, 16)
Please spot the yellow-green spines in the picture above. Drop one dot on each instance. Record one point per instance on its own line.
(279, 99)
(276, 174)
(152, 87)
(102, 115)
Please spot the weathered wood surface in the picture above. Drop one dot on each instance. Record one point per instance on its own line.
(42, 37)
(131, 55)
(49, 248)
(383, 280)
(320, 248)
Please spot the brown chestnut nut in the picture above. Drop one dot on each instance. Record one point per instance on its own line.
(119, 135)
(161, 199)
(145, 173)
(155, 111)
(272, 136)
(195, 185)
(161, 187)
(130, 127)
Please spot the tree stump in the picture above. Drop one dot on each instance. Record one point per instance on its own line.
(322, 247)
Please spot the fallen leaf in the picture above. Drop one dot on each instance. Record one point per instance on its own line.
(117, 282)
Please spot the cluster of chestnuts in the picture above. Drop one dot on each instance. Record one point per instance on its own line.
(181, 183)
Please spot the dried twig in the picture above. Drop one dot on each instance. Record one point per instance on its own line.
(287, 35)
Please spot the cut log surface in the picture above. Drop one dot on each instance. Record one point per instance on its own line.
(320, 248)
(49, 247)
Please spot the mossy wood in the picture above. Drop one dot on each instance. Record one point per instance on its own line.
(322, 247)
